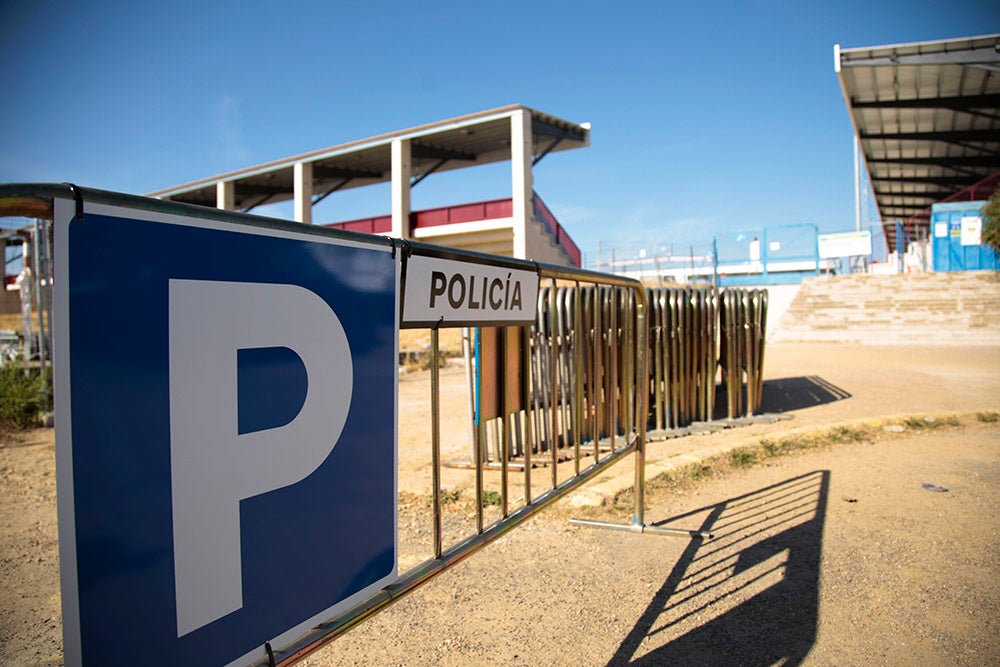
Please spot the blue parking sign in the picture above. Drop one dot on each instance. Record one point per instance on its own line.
(226, 433)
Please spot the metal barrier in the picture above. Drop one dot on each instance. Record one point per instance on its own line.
(581, 349)
(743, 317)
(577, 370)
(572, 391)
(694, 331)
(542, 391)
(683, 326)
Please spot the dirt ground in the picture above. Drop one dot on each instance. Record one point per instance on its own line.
(836, 555)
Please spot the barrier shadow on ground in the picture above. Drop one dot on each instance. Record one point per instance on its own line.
(797, 393)
(748, 596)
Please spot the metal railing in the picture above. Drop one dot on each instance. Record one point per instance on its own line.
(570, 392)
(567, 394)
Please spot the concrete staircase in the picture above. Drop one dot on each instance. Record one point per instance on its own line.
(921, 309)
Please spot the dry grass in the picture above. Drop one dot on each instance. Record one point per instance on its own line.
(450, 341)
(755, 454)
(12, 321)
(415, 347)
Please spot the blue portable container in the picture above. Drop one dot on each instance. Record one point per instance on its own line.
(956, 227)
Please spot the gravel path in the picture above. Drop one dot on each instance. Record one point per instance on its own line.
(834, 556)
(829, 557)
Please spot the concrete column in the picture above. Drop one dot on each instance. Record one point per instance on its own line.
(303, 184)
(402, 171)
(520, 165)
(225, 195)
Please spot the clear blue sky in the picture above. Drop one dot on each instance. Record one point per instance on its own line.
(707, 117)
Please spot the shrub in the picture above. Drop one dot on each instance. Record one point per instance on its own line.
(23, 395)
(991, 222)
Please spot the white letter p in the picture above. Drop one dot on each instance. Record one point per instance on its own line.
(213, 467)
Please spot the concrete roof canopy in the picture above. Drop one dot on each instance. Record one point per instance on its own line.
(927, 116)
(465, 141)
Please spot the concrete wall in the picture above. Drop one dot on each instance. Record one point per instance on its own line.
(490, 236)
(496, 237)
(779, 300)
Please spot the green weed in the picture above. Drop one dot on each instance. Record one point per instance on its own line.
(846, 435)
(770, 447)
(492, 499)
(450, 496)
(742, 457)
(699, 471)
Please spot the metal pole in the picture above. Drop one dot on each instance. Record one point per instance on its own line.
(715, 263)
(598, 379)
(614, 357)
(47, 270)
(436, 441)
(553, 383)
(763, 253)
(857, 185)
(39, 298)
(470, 388)
(578, 336)
(504, 443)
(529, 440)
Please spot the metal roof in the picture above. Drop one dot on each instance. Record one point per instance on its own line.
(927, 115)
(469, 140)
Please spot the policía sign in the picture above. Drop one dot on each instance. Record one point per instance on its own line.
(454, 293)
(225, 477)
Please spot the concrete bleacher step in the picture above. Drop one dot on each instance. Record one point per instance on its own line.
(928, 308)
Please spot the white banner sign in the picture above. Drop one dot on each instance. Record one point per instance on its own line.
(465, 293)
(972, 230)
(847, 244)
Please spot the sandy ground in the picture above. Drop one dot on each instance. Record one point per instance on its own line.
(835, 556)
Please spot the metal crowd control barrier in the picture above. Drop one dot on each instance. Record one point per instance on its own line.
(542, 389)
(683, 324)
(582, 348)
(572, 390)
(743, 316)
(576, 366)
(692, 332)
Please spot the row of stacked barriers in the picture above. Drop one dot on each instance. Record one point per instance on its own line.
(743, 319)
(574, 371)
(699, 336)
